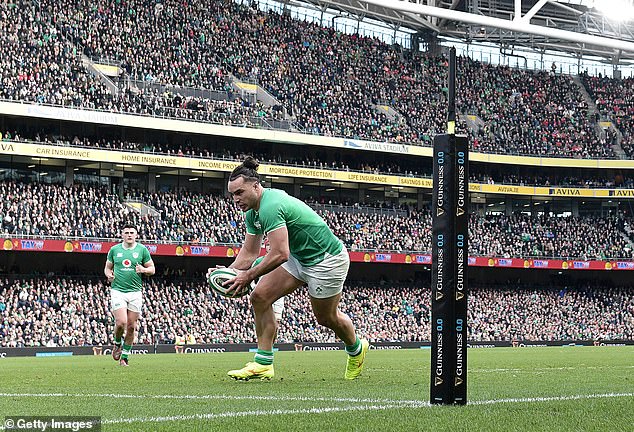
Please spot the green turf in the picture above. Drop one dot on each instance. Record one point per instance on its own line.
(306, 381)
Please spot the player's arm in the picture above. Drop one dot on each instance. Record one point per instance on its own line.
(109, 270)
(277, 255)
(248, 253)
(147, 269)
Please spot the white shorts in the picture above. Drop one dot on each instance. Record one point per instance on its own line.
(278, 308)
(133, 301)
(325, 279)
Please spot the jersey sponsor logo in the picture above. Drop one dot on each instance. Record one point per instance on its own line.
(126, 262)
(119, 255)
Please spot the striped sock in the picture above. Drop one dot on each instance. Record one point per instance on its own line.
(264, 357)
(126, 351)
(117, 342)
(355, 349)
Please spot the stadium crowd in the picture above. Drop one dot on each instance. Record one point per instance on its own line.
(40, 65)
(92, 212)
(329, 82)
(65, 311)
(615, 99)
(587, 237)
(529, 112)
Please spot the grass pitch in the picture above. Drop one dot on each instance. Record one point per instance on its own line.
(520, 389)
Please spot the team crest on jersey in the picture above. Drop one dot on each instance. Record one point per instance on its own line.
(135, 255)
(126, 263)
(257, 225)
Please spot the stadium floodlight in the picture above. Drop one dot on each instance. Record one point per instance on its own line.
(617, 10)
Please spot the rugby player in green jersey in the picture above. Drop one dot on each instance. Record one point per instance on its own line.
(125, 265)
(304, 251)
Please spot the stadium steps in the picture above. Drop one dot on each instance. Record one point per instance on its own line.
(628, 235)
(592, 107)
(389, 112)
(142, 208)
(594, 113)
(99, 70)
(474, 123)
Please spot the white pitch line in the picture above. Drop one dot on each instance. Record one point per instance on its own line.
(325, 410)
(551, 398)
(210, 397)
(532, 370)
(211, 416)
(404, 404)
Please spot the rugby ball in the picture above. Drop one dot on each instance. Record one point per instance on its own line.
(219, 276)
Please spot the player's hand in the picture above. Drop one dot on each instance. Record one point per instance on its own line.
(140, 269)
(238, 284)
(210, 270)
(110, 277)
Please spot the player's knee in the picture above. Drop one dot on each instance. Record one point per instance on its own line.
(121, 323)
(259, 300)
(326, 320)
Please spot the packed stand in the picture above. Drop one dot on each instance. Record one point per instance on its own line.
(529, 112)
(328, 81)
(82, 211)
(40, 65)
(64, 311)
(615, 99)
(520, 235)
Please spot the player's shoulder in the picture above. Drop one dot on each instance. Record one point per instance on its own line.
(141, 246)
(272, 194)
(116, 247)
(273, 198)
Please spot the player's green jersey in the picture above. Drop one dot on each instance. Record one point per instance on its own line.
(309, 238)
(126, 279)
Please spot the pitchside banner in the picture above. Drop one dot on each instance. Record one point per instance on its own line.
(298, 346)
(443, 258)
(459, 393)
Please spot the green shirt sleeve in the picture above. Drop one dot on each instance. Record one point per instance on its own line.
(249, 222)
(272, 217)
(146, 256)
(110, 258)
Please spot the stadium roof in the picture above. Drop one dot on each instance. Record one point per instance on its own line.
(576, 27)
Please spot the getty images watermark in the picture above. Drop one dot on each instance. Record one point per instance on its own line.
(52, 423)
